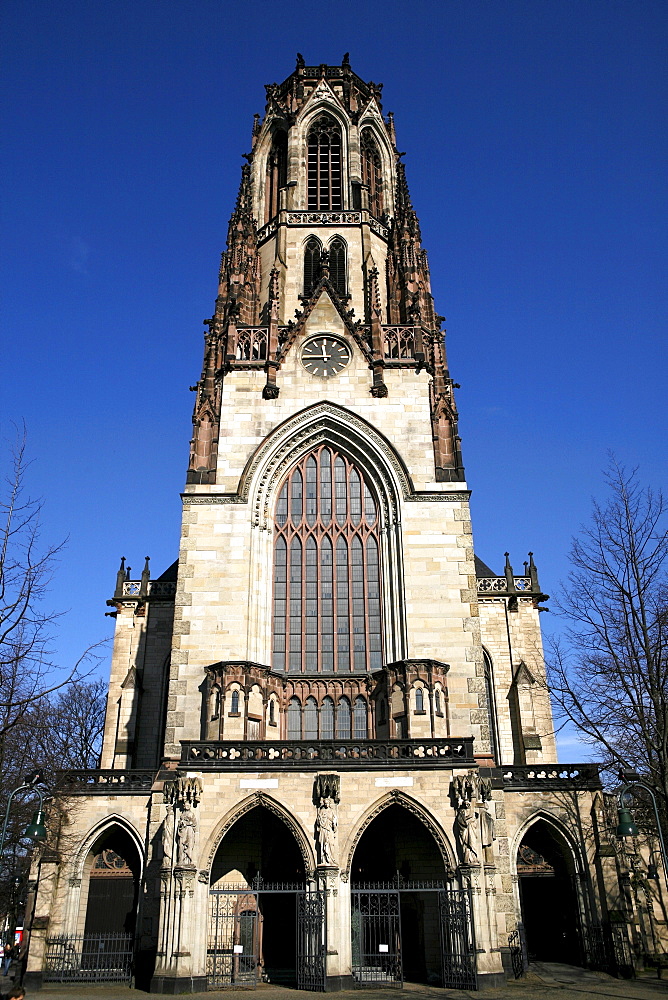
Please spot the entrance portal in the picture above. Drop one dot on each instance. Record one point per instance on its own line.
(547, 894)
(407, 921)
(264, 924)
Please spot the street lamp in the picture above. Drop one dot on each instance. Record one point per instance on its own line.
(36, 831)
(626, 826)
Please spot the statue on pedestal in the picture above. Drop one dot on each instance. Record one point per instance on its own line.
(326, 798)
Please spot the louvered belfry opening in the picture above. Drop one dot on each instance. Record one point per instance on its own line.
(326, 569)
(371, 171)
(324, 165)
(312, 269)
(337, 265)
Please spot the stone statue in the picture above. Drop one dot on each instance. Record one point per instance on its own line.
(326, 825)
(487, 832)
(186, 832)
(463, 793)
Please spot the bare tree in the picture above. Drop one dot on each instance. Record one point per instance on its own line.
(48, 715)
(609, 675)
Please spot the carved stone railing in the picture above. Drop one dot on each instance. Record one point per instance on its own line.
(133, 781)
(551, 777)
(156, 588)
(400, 342)
(499, 584)
(341, 218)
(252, 343)
(281, 755)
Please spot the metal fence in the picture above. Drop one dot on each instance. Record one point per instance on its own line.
(89, 958)
(518, 951)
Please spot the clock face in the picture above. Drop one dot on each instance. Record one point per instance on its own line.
(325, 355)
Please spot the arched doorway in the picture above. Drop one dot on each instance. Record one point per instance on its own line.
(546, 870)
(257, 880)
(399, 901)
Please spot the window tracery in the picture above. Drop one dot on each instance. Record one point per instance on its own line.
(324, 165)
(371, 171)
(326, 569)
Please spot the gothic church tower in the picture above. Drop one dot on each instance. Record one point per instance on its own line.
(327, 694)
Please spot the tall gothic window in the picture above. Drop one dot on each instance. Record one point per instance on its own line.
(277, 174)
(324, 165)
(312, 252)
(491, 709)
(326, 569)
(337, 265)
(371, 171)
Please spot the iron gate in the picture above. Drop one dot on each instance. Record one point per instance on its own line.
(457, 942)
(376, 938)
(311, 940)
(237, 947)
(376, 931)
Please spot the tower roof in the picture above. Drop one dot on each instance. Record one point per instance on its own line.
(296, 89)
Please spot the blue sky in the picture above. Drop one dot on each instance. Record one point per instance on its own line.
(536, 146)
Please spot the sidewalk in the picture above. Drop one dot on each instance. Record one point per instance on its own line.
(543, 980)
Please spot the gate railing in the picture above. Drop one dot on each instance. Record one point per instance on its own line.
(88, 958)
(606, 947)
(518, 951)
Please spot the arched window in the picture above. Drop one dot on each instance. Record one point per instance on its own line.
(343, 719)
(294, 719)
(419, 700)
(371, 171)
(312, 271)
(234, 704)
(337, 265)
(491, 710)
(327, 719)
(360, 721)
(277, 174)
(326, 569)
(437, 701)
(324, 165)
(272, 712)
(311, 719)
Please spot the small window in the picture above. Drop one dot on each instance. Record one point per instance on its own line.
(311, 719)
(343, 719)
(234, 703)
(327, 719)
(437, 702)
(360, 724)
(272, 712)
(419, 700)
(294, 719)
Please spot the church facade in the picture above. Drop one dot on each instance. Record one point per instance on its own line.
(328, 756)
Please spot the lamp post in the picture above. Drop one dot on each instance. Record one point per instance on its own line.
(626, 826)
(36, 830)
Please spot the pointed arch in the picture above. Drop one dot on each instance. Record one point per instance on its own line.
(382, 469)
(397, 798)
(247, 805)
(312, 263)
(559, 827)
(324, 163)
(97, 831)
